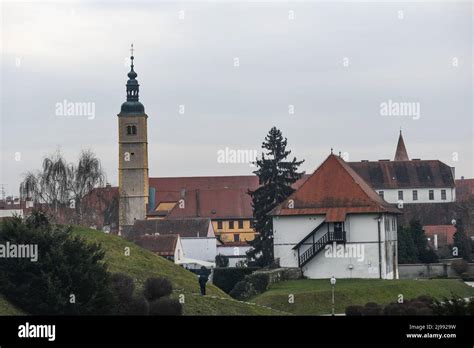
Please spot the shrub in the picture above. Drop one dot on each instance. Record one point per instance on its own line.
(426, 299)
(222, 261)
(259, 281)
(450, 306)
(394, 309)
(227, 278)
(138, 306)
(123, 286)
(65, 265)
(156, 288)
(166, 306)
(371, 309)
(251, 285)
(240, 290)
(459, 266)
(354, 310)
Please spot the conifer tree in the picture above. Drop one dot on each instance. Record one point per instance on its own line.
(462, 242)
(276, 175)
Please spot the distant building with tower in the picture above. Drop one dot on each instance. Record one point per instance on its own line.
(133, 156)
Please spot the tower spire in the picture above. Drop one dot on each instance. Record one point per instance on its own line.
(132, 105)
(132, 83)
(401, 152)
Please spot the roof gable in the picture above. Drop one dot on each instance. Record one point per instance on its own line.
(334, 185)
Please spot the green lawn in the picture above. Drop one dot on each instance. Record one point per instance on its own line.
(313, 296)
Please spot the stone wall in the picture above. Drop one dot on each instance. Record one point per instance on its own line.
(282, 274)
(430, 270)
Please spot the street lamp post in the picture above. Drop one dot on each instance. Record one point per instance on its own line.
(333, 284)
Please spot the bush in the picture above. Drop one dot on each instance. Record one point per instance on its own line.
(259, 281)
(371, 309)
(123, 286)
(65, 265)
(251, 285)
(460, 266)
(222, 261)
(138, 306)
(227, 278)
(156, 288)
(166, 306)
(240, 290)
(354, 310)
(394, 309)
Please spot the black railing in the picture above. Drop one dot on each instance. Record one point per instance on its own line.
(317, 246)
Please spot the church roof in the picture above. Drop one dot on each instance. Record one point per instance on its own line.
(401, 152)
(334, 189)
(386, 174)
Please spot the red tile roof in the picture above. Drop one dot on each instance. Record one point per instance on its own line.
(464, 189)
(445, 233)
(334, 189)
(215, 197)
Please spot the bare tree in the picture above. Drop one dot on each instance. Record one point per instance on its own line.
(61, 185)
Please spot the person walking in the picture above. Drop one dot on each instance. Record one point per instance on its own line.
(203, 278)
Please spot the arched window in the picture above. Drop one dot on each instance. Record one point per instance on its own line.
(134, 130)
(129, 130)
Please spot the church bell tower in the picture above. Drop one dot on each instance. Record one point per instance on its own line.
(133, 156)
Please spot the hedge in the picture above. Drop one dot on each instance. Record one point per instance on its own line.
(226, 278)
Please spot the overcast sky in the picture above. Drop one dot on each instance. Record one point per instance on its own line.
(334, 64)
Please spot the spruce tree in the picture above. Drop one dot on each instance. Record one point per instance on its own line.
(276, 174)
(407, 251)
(424, 253)
(462, 242)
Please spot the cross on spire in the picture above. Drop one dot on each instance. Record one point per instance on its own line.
(131, 49)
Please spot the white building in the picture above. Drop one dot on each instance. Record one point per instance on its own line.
(405, 181)
(235, 252)
(197, 235)
(335, 224)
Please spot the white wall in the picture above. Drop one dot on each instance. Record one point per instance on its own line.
(204, 249)
(391, 195)
(234, 253)
(361, 234)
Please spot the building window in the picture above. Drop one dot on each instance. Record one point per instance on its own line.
(131, 130)
(381, 194)
(400, 195)
(431, 195)
(443, 195)
(219, 225)
(241, 224)
(415, 195)
(231, 225)
(394, 224)
(387, 224)
(236, 237)
(252, 223)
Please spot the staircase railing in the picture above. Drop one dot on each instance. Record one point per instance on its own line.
(318, 245)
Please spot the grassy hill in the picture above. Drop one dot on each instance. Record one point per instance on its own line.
(313, 296)
(6, 308)
(142, 264)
